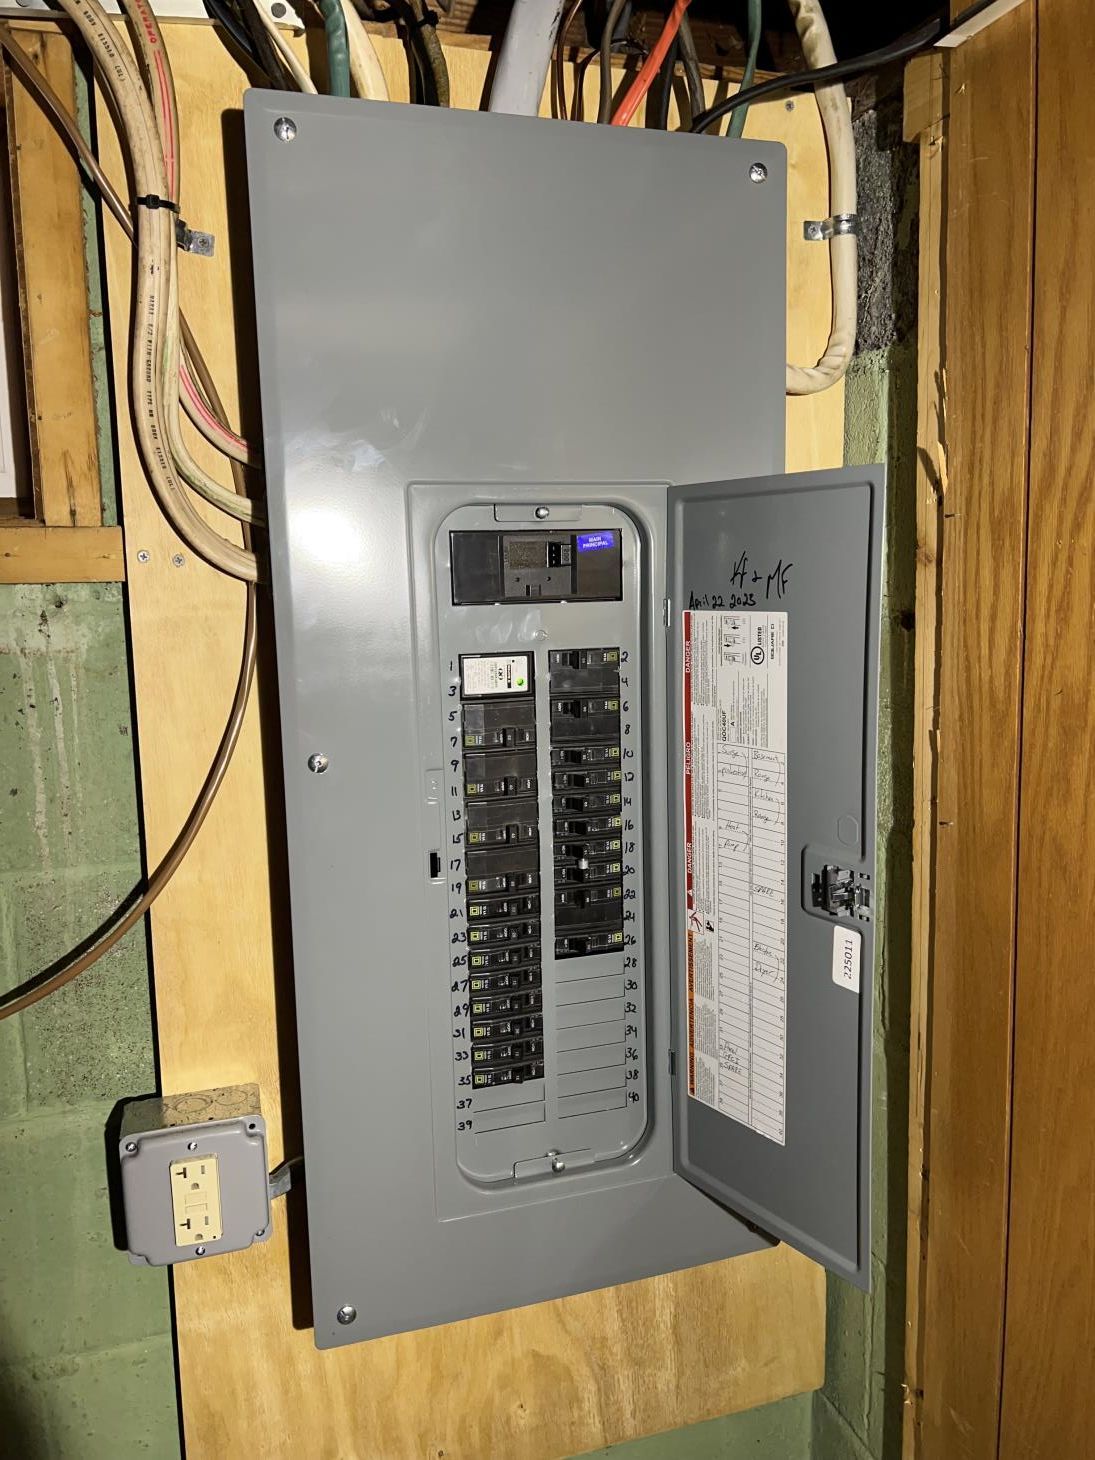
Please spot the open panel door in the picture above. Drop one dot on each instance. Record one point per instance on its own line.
(774, 633)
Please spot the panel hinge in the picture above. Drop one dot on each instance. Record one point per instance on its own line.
(817, 230)
(842, 892)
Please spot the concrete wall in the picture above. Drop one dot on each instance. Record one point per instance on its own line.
(86, 1366)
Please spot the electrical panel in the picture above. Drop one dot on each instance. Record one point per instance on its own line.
(578, 714)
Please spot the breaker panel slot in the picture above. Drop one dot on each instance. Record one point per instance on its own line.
(505, 1022)
(584, 687)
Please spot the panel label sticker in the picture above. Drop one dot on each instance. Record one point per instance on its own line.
(494, 674)
(847, 953)
(735, 800)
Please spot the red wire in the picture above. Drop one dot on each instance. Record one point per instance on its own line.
(651, 66)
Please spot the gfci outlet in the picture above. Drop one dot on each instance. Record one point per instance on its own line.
(194, 1175)
(196, 1200)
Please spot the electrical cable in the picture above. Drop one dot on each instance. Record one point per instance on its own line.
(651, 66)
(152, 60)
(525, 56)
(338, 47)
(267, 52)
(51, 103)
(690, 61)
(366, 72)
(293, 66)
(608, 36)
(560, 56)
(820, 76)
(39, 988)
(154, 354)
(426, 25)
(755, 27)
(665, 87)
(225, 17)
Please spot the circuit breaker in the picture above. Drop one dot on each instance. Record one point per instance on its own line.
(578, 710)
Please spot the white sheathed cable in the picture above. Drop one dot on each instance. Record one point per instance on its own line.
(301, 80)
(526, 55)
(836, 119)
(366, 71)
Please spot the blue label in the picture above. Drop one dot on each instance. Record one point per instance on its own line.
(590, 542)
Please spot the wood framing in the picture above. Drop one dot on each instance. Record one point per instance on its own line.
(1049, 1350)
(965, 876)
(48, 216)
(30, 553)
(553, 1380)
(925, 124)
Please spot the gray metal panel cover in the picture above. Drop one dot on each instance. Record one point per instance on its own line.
(463, 298)
(825, 529)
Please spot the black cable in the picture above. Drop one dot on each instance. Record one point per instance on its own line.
(823, 75)
(665, 86)
(608, 40)
(225, 17)
(269, 60)
(691, 62)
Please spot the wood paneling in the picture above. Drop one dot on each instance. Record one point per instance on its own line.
(51, 269)
(30, 553)
(987, 363)
(553, 1380)
(1049, 1367)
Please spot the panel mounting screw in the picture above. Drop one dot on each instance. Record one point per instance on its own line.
(346, 1314)
(200, 1251)
(758, 172)
(543, 512)
(318, 763)
(131, 1146)
(178, 560)
(285, 129)
(277, 10)
(143, 556)
(191, 1145)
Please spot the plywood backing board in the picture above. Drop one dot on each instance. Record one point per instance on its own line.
(989, 232)
(553, 1380)
(47, 211)
(1049, 1350)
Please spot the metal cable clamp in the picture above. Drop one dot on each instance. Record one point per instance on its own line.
(817, 230)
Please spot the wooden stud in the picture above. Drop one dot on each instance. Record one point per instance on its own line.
(31, 553)
(47, 201)
(924, 108)
(989, 260)
(1049, 1355)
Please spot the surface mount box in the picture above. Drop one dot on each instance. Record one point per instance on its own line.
(579, 733)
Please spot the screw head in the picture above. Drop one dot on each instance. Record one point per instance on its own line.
(277, 10)
(131, 1146)
(788, 106)
(178, 560)
(200, 1251)
(346, 1314)
(191, 1145)
(758, 173)
(285, 129)
(318, 763)
(143, 556)
(543, 512)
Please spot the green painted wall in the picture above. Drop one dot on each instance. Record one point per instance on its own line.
(86, 1364)
(86, 1368)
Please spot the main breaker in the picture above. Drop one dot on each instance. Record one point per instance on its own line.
(578, 712)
